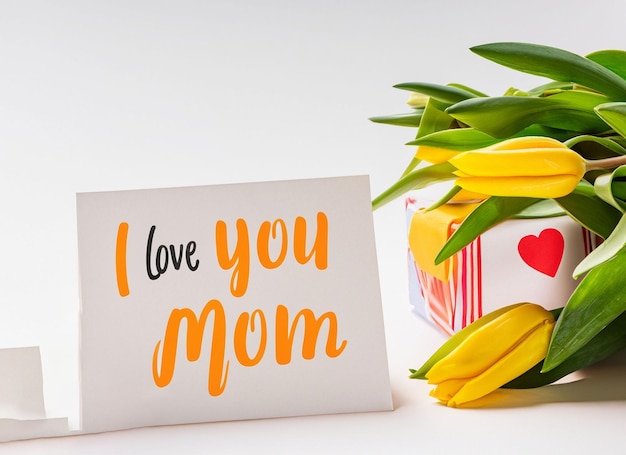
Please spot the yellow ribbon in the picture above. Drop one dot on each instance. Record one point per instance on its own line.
(428, 233)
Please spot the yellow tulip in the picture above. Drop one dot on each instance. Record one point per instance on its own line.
(434, 155)
(417, 100)
(491, 353)
(528, 166)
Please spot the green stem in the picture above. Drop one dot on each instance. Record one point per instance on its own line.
(605, 163)
(449, 195)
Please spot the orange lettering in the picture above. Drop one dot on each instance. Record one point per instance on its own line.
(263, 243)
(312, 326)
(218, 371)
(240, 259)
(320, 246)
(120, 260)
(241, 338)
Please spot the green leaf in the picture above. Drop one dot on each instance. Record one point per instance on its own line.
(434, 119)
(545, 208)
(468, 89)
(489, 213)
(460, 139)
(609, 341)
(411, 119)
(618, 189)
(550, 88)
(607, 250)
(504, 116)
(463, 139)
(445, 198)
(614, 60)
(597, 301)
(443, 93)
(605, 142)
(416, 179)
(614, 114)
(584, 206)
(610, 186)
(556, 64)
(412, 165)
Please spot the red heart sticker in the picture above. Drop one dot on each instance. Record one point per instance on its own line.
(543, 253)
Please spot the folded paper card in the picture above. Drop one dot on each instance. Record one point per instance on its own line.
(229, 302)
(22, 410)
(519, 260)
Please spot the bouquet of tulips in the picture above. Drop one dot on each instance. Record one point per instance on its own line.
(557, 148)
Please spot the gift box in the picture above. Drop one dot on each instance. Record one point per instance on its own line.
(518, 260)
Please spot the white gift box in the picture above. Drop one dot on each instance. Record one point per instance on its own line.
(518, 260)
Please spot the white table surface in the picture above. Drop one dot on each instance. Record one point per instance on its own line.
(584, 415)
(138, 94)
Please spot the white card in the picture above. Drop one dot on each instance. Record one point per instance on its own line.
(21, 384)
(22, 410)
(229, 268)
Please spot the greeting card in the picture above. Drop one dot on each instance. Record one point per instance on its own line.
(229, 302)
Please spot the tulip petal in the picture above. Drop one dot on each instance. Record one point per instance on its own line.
(529, 352)
(608, 341)
(521, 162)
(447, 389)
(434, 155)
(528, 142)
(545, 187)
(487, 345)
(457, 339)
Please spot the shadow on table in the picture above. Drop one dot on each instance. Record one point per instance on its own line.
(602, 382)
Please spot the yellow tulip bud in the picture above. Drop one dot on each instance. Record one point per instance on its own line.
(529, 166)
(492, 354)
(528, 142)
(434, 155)
(417, 100)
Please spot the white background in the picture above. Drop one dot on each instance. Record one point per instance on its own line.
(132, 94)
